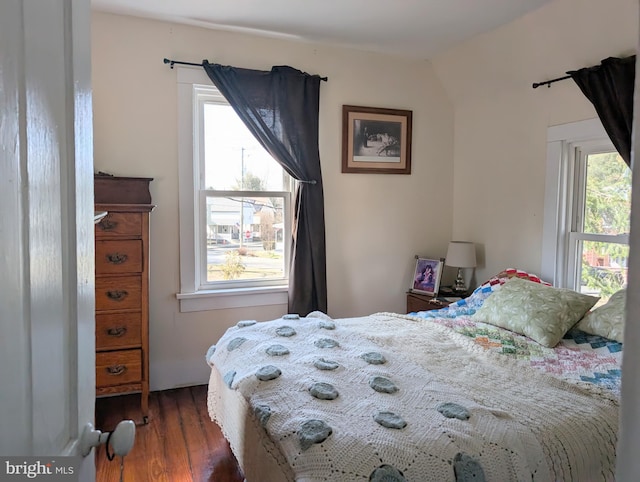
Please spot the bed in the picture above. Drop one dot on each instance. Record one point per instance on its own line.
(437, 395)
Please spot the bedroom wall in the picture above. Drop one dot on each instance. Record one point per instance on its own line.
(501, 121)
(375, 224)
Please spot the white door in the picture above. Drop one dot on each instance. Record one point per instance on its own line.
(47, 361)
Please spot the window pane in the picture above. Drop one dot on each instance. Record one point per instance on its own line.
(234, 159)
(604, 268)
(608, 194)
(245, 238)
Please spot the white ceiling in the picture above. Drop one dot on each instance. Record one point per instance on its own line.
(412, 28)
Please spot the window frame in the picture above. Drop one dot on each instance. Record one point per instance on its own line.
(568, 146)
(195, 86)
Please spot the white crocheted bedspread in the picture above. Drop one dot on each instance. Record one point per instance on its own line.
(391, 398)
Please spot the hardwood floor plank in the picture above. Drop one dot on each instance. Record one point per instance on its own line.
(135, 463)
(155, 463)
(215, 439)
(193, 431)
(224, 466)
(180, 444)
(173, 441)
(106, 421)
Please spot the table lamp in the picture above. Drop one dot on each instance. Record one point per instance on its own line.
(461, 254)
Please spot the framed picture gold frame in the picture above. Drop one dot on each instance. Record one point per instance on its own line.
(426, 276)
(376, 140)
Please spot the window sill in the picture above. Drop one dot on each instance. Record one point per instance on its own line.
(206, 300)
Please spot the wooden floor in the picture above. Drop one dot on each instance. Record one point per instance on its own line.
(180, 443)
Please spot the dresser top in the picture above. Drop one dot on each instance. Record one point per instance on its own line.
(121, 190)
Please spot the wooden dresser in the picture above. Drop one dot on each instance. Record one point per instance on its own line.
(122, 287)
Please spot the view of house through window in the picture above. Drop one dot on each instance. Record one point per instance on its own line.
(245, 199)
(601, 223)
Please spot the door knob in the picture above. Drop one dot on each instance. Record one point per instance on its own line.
(121, 439)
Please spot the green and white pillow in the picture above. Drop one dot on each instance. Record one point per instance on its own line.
(542, 313)
(608, 319)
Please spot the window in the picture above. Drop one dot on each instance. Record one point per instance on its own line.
(235, 206)
(599, 238)
(243, 198)
(591, 194)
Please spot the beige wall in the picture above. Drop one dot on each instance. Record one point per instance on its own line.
(374, 223)
(501, 121)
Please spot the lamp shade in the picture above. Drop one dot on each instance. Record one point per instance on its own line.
(461, 254)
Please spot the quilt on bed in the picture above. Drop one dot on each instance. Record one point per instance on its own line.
(392, 397)
(579, 357)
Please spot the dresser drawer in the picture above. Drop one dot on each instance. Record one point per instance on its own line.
(118, 293)
(117, 224)
(118, 367)
(123, 256)
(115, 330)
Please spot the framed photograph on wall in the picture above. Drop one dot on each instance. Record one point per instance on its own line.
(376, 140)
(426, 276)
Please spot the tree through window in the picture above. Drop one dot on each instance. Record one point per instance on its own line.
(601, 220)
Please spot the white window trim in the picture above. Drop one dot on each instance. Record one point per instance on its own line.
(561, 143)
(191, 298)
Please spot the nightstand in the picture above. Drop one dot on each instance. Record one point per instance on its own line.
(422, 302)
(447, 291)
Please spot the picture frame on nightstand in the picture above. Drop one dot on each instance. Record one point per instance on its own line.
(426, 276)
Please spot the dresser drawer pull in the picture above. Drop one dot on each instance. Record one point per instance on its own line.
(119, 331)
(107, 225)
(118, 295)
(117, 258)
(116, 370)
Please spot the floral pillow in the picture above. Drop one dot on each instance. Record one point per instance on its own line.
(538, 311)
(495, 283)
(608, 319)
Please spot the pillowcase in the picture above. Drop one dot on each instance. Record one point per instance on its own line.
(608, 319)
(494, 283)
(540, 312)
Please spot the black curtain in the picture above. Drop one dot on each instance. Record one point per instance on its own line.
(609, 86)
(281, 109)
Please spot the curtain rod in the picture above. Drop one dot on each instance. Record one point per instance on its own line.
(171, 62)
(549, 82)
